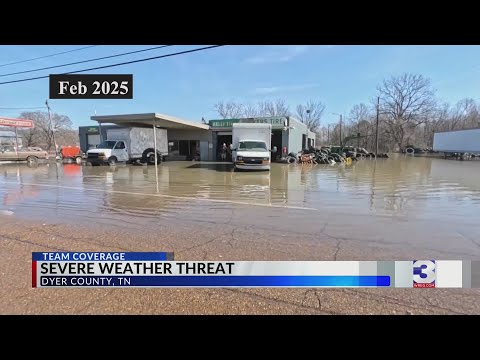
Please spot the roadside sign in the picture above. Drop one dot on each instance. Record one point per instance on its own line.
(16, 122)
(277, 122)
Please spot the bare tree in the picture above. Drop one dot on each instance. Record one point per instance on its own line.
(361, 122)
(440, 122)
(35, 136)
(322, 136)
(233, 110)
(360, 112)
(67, 137)
(464, 115)
(406, 101)
(310, 114)
(335, 134)
(229, 110)
(250, 111)
(457, 116)
(281, 108)
(278, 107)
(442, 118)
(266, 108)
(44, 129)
(220, 109)
(31, 137)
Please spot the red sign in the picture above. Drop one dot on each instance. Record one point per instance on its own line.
(16, 122)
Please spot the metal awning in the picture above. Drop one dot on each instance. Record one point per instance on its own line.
(148, 120)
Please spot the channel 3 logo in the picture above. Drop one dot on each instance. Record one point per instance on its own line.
(424, 273)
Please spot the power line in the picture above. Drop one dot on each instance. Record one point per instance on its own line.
(85, 61)
(22, 108)
(46, 56)
(118, 64)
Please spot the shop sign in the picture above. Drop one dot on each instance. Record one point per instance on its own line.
(275, 121)
(93, 130)
(279, 121)
(226, 123)
(16, 122)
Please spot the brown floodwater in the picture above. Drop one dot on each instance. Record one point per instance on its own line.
(429, 203)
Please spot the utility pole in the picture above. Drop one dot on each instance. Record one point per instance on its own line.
(308, 126)
(376, 128)
(16, 142)
(358, 134)
(340, 130)
(53, 130)
(328, 134)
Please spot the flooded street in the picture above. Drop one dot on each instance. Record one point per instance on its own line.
(420, 202)
(400, 208)
(239, 179)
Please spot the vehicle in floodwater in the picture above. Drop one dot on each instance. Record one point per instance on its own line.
(129, 145)
(457, 142)
(251, 144)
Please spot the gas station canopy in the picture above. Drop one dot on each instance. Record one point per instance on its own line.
(149, 120)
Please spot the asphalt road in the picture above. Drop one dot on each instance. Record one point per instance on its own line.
(209, 213)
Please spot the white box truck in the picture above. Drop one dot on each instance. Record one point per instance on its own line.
(458, 141)
(251, 146)
(129, 145)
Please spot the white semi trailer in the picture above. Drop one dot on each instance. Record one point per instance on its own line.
(129, 145)
(459, 142)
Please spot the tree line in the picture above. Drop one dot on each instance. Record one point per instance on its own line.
(409, 113)
(309, 113)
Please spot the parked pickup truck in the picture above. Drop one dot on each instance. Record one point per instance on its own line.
(8, 153)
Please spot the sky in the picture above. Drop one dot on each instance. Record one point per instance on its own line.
(187, 86)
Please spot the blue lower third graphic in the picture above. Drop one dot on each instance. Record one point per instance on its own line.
(217, 281)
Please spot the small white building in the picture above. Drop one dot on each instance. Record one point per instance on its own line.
(7, 137)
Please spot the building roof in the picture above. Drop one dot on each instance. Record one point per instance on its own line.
(297, 123)
(7, 133)
(148, 120)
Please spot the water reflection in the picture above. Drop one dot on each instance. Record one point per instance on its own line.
(406, 201)
(400, 186)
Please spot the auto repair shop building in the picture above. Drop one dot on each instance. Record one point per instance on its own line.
(287, 132)
(188, 140)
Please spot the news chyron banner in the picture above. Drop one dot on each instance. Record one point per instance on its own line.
(149, 269)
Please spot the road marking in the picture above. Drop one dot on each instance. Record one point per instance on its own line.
(165, 196)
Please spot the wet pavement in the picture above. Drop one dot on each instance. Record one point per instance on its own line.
(420, 202)
(390, 209)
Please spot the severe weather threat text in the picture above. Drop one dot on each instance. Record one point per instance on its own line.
(136, 268)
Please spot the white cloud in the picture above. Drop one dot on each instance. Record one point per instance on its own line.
(282, 88)
(279, 54)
